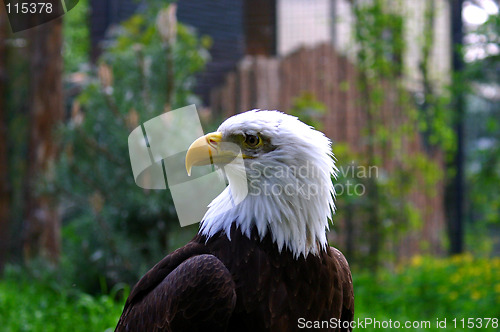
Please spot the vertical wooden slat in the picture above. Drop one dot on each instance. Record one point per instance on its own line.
(231, 93)
(274, 83)
(244, 84)
(262, 83)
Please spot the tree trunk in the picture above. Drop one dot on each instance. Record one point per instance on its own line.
(42, 218)
(455, 187)
(4, 178)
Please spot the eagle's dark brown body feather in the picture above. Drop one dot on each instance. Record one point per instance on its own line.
(240, 284)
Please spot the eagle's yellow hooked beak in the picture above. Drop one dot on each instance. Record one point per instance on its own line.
(207, 150)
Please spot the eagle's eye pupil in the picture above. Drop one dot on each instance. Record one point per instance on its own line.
(252, 140)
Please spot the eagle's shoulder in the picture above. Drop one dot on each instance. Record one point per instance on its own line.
(158, 272)
(187, 289)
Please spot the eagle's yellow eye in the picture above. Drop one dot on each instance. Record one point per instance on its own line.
(252, 141)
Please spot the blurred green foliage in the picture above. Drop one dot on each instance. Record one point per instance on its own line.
(112, 227)
(41, 303)
(428, 288)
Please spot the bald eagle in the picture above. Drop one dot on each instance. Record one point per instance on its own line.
(263, 264)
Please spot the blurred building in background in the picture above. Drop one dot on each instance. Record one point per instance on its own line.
(279, 27)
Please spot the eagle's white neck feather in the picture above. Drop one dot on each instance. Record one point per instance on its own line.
(290, 189)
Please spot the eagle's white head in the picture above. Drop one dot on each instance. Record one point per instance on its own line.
(286, 175)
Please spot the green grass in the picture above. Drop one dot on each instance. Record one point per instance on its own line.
(29, 305)
(425, 289)
(428, 289)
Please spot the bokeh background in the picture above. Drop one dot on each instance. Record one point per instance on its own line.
(408, 91)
